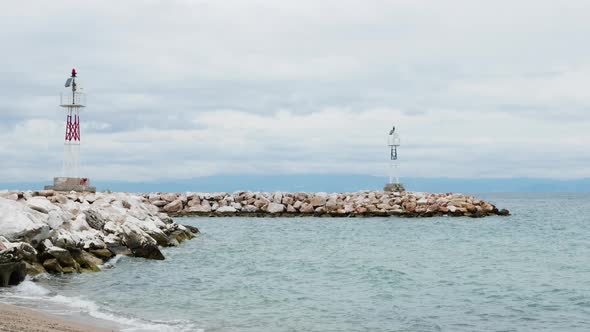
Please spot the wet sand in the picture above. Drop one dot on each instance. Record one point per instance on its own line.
(13, 318)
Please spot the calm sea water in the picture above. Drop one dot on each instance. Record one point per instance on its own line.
(527, 272)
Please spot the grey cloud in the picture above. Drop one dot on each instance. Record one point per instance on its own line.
(158, 73)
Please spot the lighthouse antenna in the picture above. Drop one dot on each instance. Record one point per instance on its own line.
(73, 86)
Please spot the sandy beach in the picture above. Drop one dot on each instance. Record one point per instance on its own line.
(13, 318)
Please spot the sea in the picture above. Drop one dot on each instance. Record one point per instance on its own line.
(526, 272)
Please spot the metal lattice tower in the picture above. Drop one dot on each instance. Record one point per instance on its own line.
(72, 103)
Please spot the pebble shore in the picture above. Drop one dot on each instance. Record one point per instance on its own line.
(13, 318)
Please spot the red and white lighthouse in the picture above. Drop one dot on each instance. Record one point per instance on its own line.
(72, 102)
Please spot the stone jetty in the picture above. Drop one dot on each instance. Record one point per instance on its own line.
(58, 232)
(70, 232)
(293, 204)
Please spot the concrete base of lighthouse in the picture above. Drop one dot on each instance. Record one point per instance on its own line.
(395, 187)
(71, 184)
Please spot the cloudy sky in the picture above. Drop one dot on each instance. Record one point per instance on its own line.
(180, 89)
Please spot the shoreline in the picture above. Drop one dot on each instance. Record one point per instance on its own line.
(18, 318)
(55, 232)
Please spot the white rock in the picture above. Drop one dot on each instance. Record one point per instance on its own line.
(170, 197)
(226, 209)
(47, 243)
(112, 227)
(147, 226)
(250, 208)
(90, 198)
(135, 236)
(65, 239)
(112, 239)
(59, 253)
(80, 223)
(41, 204)
(318, 199)
(45, 193)
(200, 208)
(422, 200)
(160, 203)
(348, 208)
(18, 220)
(152, 197)
(152, 210)
(139, 212)
(96, 243)
(277, 197)
(61, 199)
(275, 208)
(9, 195)
(174, 206)
(56, 218)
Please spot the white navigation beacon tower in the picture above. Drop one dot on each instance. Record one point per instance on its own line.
(393, 141)
(72, 102)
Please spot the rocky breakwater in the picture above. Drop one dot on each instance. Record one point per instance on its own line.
(361, 204)
(57, 232)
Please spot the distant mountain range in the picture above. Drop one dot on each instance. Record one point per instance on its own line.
(330, 183)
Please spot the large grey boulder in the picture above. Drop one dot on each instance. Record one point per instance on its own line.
(86, 261)
(192, 229)
(250, 208)
(94, 219)
(12, 274)
(203, 207)
(275, 208)
(160, 203)
(9, 195)
(174, 206)
(41, 204)
(19, 222)
(318, 199)
(140, 243)
(63, 256)
(45, 193)
(169, 197)
(306, 208)
(226, 209)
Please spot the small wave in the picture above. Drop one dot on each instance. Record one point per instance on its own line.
(111, 263)
(29, 290)
(130, 324)
(26, 290)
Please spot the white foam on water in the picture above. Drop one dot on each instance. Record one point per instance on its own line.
(111, 263)
(29, 290)
(129, 324)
